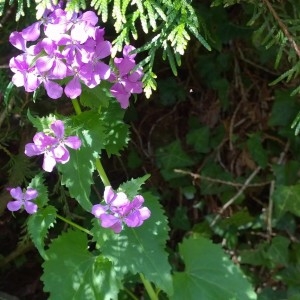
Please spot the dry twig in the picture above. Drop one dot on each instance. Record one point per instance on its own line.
(235, 197)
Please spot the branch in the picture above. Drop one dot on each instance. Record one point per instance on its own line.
(216, 180)
(239, 193)
(283, 27)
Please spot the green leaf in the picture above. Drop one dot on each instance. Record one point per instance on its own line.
(38, 183)
(96, 97)
(287, 199)
(170, 157)
(278, 252)
(287, 173)
(141, 249)
(258, 153)
(116, 131)
(7, 93)
(72, 272)
(38, 227)
(131, 188)
(199, 139)
(209, 274)
(77, 173)
(255, 257)
(41, 123)
(284, 110)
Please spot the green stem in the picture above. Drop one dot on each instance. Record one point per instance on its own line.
(76, 106)
(102, 173)
(148, 288)
(74, 225)
(131, 294)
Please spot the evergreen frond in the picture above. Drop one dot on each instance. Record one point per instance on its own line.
(75, 5)
(101, 7)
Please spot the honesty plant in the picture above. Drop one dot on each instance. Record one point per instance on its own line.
(67, 54)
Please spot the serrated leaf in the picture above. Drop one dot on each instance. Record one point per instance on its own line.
(39, 225)
(77, 173)
(41, 123)
(72, 272)
(96, 97)
(116, 131)
(131, 188)
(209, 274)
(38, 183)
(141, 249)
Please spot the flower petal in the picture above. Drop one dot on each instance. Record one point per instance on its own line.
(49, 162)
(133, 219)
(32, 32)
(17, 40)
(30, 194)
(17, 193)
(145, 213)
(98, 210)
(30, 207)
(58, 128)
(108, 220)
(61, 154)
(73, 88)
(31, 150)
(53, 89)
(120, 200)
(14, 205)
(73, 142)
(109, 194)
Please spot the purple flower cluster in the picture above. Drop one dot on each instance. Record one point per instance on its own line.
(53, 146)
(72, 47)
(119, 210)
(126, 81)
(23, 199)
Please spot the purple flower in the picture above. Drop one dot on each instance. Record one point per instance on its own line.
(135, 214)
(53, 147)
(25, 75)
(32, 32)
(125, 81)
(68, 46)
(119, 210)
(23, 199)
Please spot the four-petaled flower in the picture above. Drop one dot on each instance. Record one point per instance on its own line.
(126, 82)
(119, 210)
(53, 146)
(23, 199)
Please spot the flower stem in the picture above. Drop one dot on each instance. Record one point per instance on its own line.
(74, 225)
(76, 106)
(130, 294)
(148, 288)
(102, 173)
